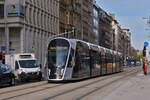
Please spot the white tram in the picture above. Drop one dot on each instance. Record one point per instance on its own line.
(73, 59)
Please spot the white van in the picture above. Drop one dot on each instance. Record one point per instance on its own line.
(25, 66)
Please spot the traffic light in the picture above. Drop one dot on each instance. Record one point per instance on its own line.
(144, 51)
(127, 57)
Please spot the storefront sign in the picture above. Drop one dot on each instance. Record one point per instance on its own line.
(16, 10)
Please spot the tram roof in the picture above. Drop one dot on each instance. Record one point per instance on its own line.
(90, 45)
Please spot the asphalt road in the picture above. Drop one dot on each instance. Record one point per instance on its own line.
(90, 89)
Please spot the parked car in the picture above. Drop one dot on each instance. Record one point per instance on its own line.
(25, 65)
(7, 75)
(138, 63)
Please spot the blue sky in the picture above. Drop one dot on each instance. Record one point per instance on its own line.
(129, 14)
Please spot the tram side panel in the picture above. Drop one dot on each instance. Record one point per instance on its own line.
(82, 62)
(120, 65)
(114, 63)
(117, 63)
(70, 65)
(95, 63)
(103, 64)
(121, 62)
(109, 63)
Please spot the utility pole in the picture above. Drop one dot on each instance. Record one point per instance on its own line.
(65, 34)
(145, 45)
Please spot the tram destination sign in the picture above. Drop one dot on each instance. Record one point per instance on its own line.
(59, 48)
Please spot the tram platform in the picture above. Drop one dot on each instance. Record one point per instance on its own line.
(135, 88)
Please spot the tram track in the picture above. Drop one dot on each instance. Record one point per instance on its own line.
(56, 85)
(10, 91)
(46, 88)
(84, 86)
(105, 85)
(31, 92)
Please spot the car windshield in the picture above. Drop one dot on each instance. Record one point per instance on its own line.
(28, 63)
(3, 68)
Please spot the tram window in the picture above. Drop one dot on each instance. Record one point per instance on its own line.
(108, 58)
(113, 59)
(103, 59)
(82, 58)
(70, 61)
(95, 59)
(77, 64)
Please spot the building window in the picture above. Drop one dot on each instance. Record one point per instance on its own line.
(95, 32)
(30, 15)
(95, 13)
(68, 18)
(1, 11)
(26, 14)
(95, 23)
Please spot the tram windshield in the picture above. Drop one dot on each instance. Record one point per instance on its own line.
(58, 53)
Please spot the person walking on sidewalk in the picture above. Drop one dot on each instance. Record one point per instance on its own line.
(144, 66)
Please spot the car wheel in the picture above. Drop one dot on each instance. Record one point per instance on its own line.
(13, 81)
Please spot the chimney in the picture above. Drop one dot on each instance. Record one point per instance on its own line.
(113, 16)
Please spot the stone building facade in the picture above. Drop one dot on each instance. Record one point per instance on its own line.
(126, 42)
(105, 30)
(77, 14)
(95, 33)
(87, 20)
(70, 17)
(26, 25)
(117, 34)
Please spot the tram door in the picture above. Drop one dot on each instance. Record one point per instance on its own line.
(82, 61)
(117, 63)
(114, 63)
(109, 63)
(95, 63)
(121, 62)
(103, 63)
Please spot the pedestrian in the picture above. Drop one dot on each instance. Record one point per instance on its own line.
(145, 67)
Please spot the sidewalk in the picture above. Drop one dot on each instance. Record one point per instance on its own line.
(136, 88)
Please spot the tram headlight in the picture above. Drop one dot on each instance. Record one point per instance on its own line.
(62, 72)
(49, 71)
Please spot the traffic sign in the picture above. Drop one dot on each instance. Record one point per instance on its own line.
(146, 44)
(3, 48)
